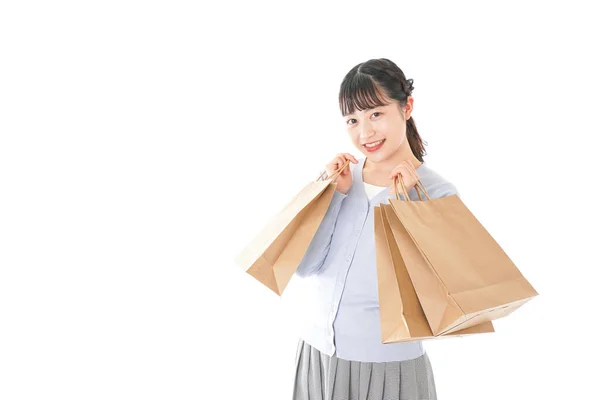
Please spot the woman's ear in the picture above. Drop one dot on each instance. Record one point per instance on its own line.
(408, 107)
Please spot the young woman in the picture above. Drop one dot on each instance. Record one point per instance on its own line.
(340, 352)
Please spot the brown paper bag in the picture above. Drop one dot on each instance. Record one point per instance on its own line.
(461, 275)
(274, 254)
(401, 315)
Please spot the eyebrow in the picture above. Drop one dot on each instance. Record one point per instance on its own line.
(366, 109)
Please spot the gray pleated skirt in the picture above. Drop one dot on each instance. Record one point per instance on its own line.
(321, 377)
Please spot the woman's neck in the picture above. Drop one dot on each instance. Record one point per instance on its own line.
(377, 173)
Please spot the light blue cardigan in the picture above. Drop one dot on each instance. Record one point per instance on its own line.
(343, 319)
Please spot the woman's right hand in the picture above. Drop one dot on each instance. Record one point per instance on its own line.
(344, 180)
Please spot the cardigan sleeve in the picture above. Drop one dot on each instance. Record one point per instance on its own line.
(317, 251)
(436, 190)
(447, 189)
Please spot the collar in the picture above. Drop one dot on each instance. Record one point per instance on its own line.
(358, 185)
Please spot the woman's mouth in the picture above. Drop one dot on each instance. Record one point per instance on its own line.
(374, 146)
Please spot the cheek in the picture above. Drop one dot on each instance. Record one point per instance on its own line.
(399, 139)
(395, 133)
(354, 137)
(401, 136)
(384, 128)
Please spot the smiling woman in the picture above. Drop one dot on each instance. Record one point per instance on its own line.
(340, 352)
(375, 98)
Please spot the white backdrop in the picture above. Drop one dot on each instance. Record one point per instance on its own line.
(142, 144)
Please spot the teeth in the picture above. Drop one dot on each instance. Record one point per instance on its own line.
(374, 144)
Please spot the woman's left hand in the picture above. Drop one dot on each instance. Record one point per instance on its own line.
(409, 176)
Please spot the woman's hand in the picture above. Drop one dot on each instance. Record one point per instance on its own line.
(409, 176)
(344, 180)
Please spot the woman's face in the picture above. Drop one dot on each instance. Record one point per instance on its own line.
(378, 132)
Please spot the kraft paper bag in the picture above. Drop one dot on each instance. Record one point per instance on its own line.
(461, 275)
(274, 254)
(401, 315)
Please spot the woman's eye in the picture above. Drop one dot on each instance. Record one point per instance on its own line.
(349, 122)
(376, 113)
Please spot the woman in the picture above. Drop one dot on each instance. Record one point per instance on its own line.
(340, 352)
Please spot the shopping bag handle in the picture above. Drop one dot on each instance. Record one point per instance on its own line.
(335, 174)
(418, 186)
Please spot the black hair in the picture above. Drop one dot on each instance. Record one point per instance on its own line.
(375, 83)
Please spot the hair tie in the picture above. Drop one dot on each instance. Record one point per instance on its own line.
(409, 86)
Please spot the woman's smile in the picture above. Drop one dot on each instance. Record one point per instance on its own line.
(374, 146)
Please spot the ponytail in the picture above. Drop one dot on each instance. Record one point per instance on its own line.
(414, 139)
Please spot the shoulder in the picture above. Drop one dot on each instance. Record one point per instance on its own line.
(436, 185)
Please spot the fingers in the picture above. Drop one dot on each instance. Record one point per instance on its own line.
(346, 170)
(411, 170)
(351, 158)
(405, 169)
(340, 160)
(405, 173)
(347, 156)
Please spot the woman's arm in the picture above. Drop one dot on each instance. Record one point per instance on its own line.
(317, 251)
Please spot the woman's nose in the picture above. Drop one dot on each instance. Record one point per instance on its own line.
(367, 133)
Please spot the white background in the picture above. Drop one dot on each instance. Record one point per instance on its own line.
(142, 144)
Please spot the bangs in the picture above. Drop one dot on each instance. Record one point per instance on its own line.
(361, 93)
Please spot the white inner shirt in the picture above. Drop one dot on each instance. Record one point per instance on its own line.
(373, 190)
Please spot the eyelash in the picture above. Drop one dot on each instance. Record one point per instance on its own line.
(376, 112)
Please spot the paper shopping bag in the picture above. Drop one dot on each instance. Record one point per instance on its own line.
(274, 254)
(461, 275)
(401, 315)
